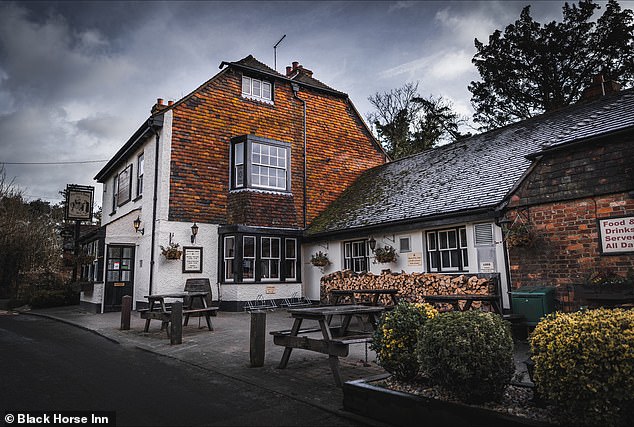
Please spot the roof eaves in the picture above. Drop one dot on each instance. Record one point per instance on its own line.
(152, 123)
(283, 78)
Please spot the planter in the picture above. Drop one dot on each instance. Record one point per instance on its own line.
(402, 409)
(612, 295)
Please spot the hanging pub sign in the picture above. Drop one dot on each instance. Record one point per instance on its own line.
(616, 235)
(79, 199)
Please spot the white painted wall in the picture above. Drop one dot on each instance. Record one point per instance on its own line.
(334, 249)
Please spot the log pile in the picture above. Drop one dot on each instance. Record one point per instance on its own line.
(412, 287)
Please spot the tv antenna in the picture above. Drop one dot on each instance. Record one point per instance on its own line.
(275, 52)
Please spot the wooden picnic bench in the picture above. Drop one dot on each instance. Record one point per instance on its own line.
(334, 340)
(159, 310)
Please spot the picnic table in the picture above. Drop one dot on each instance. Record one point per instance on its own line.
(159, 310)
(334, 340)
(337, 294)
(454, 300)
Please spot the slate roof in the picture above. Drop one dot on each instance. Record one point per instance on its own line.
(471, 174)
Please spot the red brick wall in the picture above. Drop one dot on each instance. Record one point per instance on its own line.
(563, 199)
(338, 149)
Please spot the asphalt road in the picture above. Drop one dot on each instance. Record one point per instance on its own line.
(50, 366)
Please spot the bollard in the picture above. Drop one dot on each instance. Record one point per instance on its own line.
(258, 335)
(176, 324)
(126, 309)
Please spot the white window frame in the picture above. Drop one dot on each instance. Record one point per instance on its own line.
(461, 248)
(140, 169)
(408, 239)
(261, 169)
(229, 259)
(270, 261)
(252, 258)
(288, 260)
(353, 256)
(257, 89)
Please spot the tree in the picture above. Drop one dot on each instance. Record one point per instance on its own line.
(407, 123)
(29, 240)
(533, 68)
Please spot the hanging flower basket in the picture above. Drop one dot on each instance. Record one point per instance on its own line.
(172, 251)
(520, 235)
(319, 259)
(385, 255)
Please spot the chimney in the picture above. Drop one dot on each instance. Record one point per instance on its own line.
(170, 103)
(158, 106)
(296, 68)
(599, 88)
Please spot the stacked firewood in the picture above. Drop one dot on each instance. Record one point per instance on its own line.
(412, 287)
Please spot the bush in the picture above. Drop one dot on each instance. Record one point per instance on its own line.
(396, 336)
(470, 354)
(584, 363)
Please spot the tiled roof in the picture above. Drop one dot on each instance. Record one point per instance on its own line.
(251, 62)
(473, 173)
(311, 81)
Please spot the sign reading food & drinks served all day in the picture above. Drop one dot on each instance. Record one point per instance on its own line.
(617, 235)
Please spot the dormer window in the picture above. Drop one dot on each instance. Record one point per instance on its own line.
(260, 163)
(257, 89)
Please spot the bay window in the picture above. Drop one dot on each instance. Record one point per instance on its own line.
(260, 163)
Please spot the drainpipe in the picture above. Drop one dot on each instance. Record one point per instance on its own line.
(295, 87)
(154, 202)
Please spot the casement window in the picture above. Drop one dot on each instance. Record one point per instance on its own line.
(355, 256)
(139, 174)
(254, 258)
(260, 163)
(124, 186)
(447, 250)
(257, 89)
(229, 257)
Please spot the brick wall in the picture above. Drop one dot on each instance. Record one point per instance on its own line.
(339, 148)
(562, 198)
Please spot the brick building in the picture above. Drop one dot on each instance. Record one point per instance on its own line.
(458, 208)
(232, 173)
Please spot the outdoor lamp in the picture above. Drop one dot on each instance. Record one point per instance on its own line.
(136, 224)
(194, 232)
(372, 243)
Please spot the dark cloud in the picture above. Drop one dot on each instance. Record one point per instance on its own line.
(77, 78)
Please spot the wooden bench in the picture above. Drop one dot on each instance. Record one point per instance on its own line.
(205, 311)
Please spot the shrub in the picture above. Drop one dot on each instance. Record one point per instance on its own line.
(396, 336)
(584, 363)
(470, 354)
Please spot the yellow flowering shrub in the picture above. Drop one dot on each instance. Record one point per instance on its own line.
(584, 363)
(396, 336)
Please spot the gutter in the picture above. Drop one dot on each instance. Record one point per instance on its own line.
(154, 126)
(295, 87)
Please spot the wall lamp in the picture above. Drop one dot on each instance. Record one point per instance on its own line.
(136, 224)
(194, 232)
(372, 243)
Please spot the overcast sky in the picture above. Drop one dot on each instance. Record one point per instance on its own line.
(78, 78)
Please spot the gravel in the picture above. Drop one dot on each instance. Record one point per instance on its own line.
(517, 399)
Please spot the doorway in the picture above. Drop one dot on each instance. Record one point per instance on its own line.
(119, 275)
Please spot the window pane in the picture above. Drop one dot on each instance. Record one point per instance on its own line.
(404, 244)
(453, 239)
(229, 269)
(431, 241)
(266, 247)
(257, 90)
(463, 237)
(248, 272)
(275, 270)
(264, 269)
(445, 258)
(249, 247)
(275, 248)
(290, 248)
(455, 261)
(289, 271)
(266, 90)
(127, 252)
(465, 258)
(229, 247)
(246, 85)
(238, 153)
